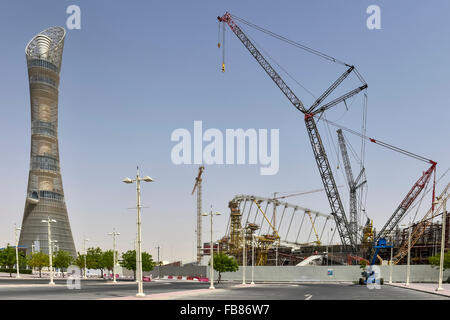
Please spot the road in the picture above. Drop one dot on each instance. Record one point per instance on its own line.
(99, 289)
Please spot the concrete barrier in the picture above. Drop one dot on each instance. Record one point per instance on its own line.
(419, 273)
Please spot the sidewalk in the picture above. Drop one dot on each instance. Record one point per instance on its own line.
(167, 295)
(424, 287)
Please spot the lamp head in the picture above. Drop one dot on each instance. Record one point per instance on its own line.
(127, 180)
(147, 179)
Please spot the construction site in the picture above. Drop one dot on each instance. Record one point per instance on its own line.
(276, 232)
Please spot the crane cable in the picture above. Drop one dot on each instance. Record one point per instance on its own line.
(296, 44)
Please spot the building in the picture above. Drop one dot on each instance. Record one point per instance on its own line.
(45, 195)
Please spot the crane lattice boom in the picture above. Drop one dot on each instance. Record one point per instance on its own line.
(313, 133)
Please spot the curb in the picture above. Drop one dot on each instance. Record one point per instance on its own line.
(417, 289)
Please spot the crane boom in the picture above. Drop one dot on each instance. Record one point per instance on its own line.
(320, 155)
(352, 184)
(406, 203)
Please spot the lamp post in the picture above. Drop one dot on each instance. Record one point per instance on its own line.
(408, 270)
(50, 253)
(17, 250)
(253, 259)
(159, 264)
(211, 248)
(114, 234)
(85, 254)
(390, 261)
(440, 200)
(139, 236)
(244, 255)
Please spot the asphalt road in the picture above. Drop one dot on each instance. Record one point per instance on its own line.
(97, 289)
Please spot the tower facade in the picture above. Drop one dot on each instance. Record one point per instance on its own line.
(45, 195)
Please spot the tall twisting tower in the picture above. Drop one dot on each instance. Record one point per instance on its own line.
(45, 195)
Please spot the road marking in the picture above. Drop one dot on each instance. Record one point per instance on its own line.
(308, 296)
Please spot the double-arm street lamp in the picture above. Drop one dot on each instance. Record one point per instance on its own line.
(440, 200)
(139, 237)
(50, 245)
(114, 234)
(211, 248)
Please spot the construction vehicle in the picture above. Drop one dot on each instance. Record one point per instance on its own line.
(369, 275)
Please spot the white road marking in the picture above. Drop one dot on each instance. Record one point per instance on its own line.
(308, 296)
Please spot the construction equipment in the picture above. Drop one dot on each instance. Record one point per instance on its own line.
(353, 185)
(420, 228)
(369, 274)
(414, 192)
(198, 186)
(316, 108)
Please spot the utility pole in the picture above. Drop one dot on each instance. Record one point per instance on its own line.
(114, 234)
(159, 264)
(244, 255)
(85, 254)
(17, 250)
(390, 261)
(50, 253)
(408, 270)
(253, 259)
(211, 247)
(139, 231)
(440, 200)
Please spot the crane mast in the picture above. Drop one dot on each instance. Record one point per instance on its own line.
(320, 155)
(198, 186)
(352, 184)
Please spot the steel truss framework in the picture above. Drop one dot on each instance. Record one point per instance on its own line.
(245, 214)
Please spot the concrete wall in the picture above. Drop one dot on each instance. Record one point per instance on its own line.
(188, 270)
(419, 273)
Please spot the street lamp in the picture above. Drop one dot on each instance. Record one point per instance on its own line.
(50, 253)
(159, 264)
(114, 234)
(211, 249)
(440, 200)
(244, 255)
(253, 259)
(17, 249)
(85, 254)
(390, 261)
(408, 270)
(139, 238)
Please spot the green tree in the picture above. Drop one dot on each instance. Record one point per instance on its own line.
(62, 260)
(79, 262)
(39, 260)
(129, 261)
(8, 258)
(436, 260)
(108, 260)
(224, 263)
(94, 259)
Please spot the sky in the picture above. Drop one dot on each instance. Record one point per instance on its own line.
(138, 70)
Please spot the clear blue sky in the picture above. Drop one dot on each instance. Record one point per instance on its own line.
(138, 70)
